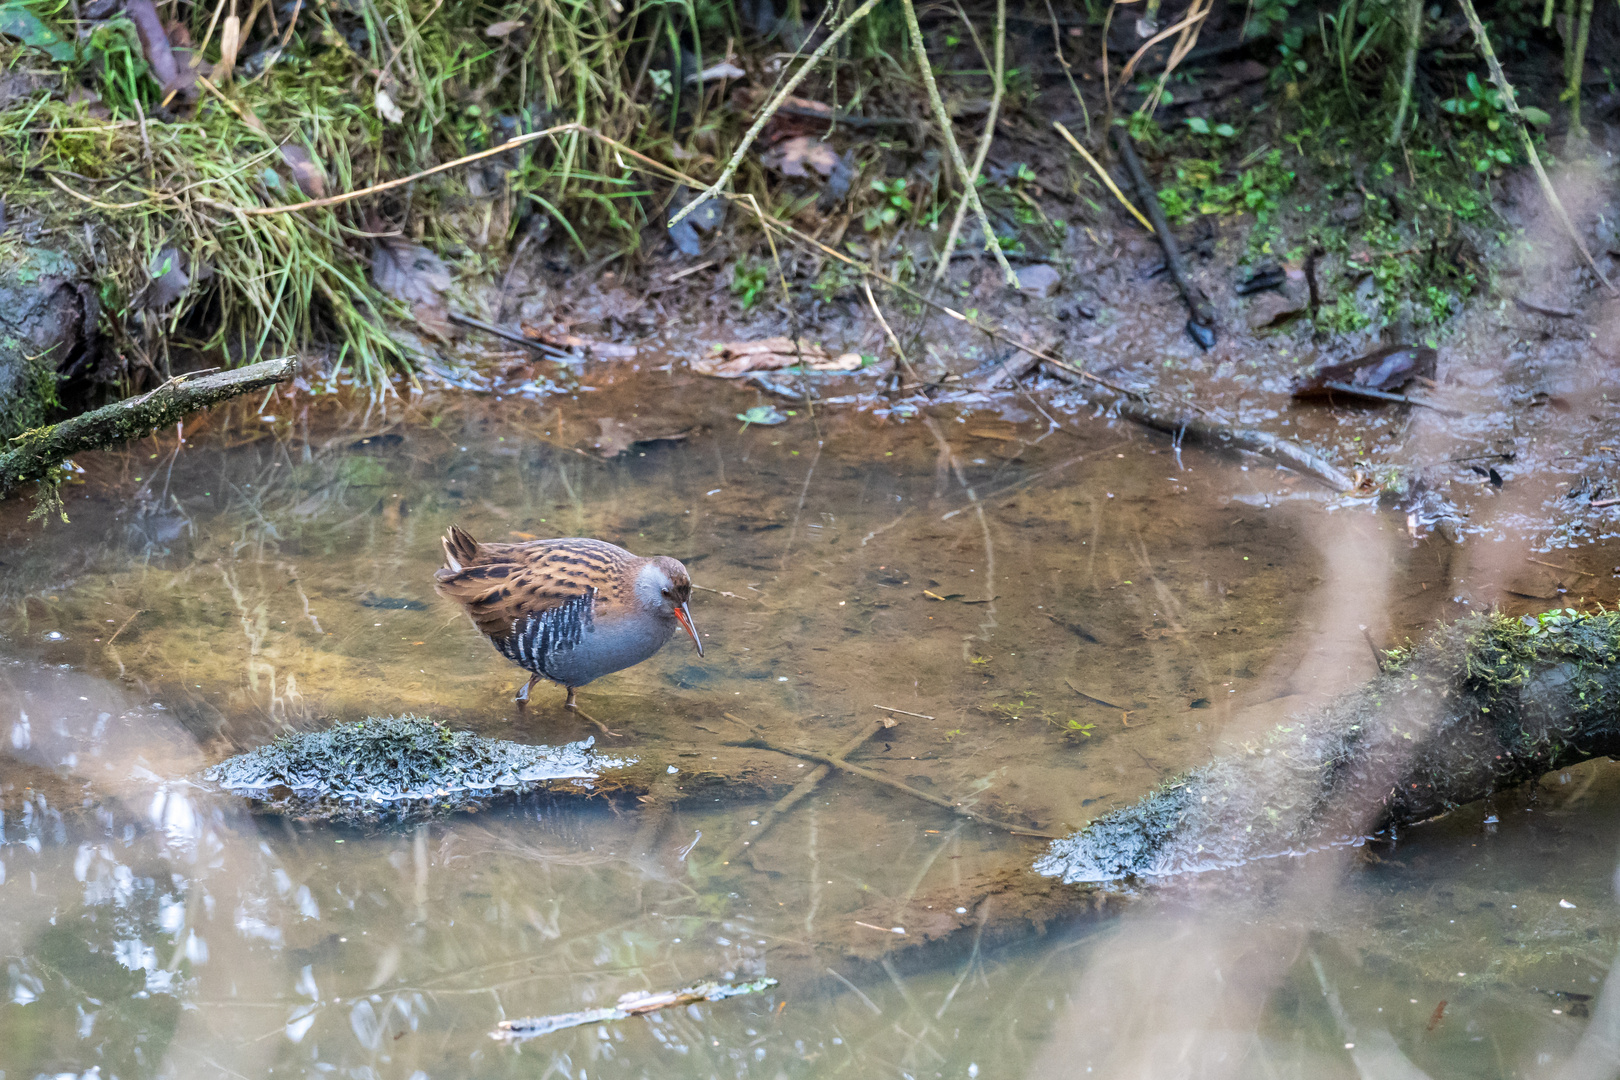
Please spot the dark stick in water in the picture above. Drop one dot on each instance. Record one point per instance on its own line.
(1201, 325)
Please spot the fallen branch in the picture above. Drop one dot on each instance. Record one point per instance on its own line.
(1201, 320)
(636, 1003)
(1485, 704)
(809, 784)
(1180, 422)
(35, 455)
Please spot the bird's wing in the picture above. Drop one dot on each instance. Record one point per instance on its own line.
(500, 584)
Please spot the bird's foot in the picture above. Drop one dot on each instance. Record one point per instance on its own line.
(603, 728)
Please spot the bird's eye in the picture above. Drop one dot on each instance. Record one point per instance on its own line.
(666, 592)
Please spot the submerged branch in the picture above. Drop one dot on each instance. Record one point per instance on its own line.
(34, 455)
(1485, 704)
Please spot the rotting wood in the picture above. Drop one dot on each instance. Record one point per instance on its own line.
(1484, 704)
(34, 455)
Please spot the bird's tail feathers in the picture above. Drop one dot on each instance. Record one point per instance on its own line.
(460, 549)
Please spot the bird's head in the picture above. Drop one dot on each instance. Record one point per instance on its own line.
(664, 588)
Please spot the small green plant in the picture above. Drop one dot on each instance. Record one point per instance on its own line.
(892, 204)
(1483, 107)
(1072, 726)
(749, 280)
(1201, 188)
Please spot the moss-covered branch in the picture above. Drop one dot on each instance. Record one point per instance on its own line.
(1485, 704)
(35, 455)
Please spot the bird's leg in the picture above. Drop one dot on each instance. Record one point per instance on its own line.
(523, 694)
(571, 703)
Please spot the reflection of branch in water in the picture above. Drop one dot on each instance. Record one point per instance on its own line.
(947, 454)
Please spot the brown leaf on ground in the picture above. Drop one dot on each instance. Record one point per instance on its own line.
(412, 273)
(306, 171)
(561, 339)
(799, 155)
(742, 357)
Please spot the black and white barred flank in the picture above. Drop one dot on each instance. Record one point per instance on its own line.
(535, 639)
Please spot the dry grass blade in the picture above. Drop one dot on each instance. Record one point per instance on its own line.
(1102, 174)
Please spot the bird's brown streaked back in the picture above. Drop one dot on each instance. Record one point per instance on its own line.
(499, 583)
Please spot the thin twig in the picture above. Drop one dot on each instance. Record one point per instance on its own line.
(551, 351)
(894, 342)
(943, 119)
(770, 110)
(121, 629)
(1068, 71)
(879, 778)
(804, 787)
(998, 70)
(902, 712)
(1512, 103)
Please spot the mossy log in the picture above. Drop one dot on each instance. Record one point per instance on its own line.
(37, 455)
(405, 768)
(1487, 703)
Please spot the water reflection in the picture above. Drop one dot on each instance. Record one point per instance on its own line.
(1064, 619)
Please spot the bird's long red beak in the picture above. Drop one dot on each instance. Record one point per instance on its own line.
(684, 617)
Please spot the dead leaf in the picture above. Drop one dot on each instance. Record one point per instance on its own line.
(412, 273)
(798, 155)
(307, 172)
(503, 28)
(1387, 369)
(386, 107)
(619, 436)
(771, 354)
(561, 339)
(230, 40)
(723, 70)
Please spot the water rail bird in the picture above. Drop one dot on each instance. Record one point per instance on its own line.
(569, 610)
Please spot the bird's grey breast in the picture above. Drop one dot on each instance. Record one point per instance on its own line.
(569, 644)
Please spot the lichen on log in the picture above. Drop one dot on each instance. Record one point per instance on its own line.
(1484, 704)
(401, 768)
(36, 455)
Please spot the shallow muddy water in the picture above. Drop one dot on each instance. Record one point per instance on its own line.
(1057, 620)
